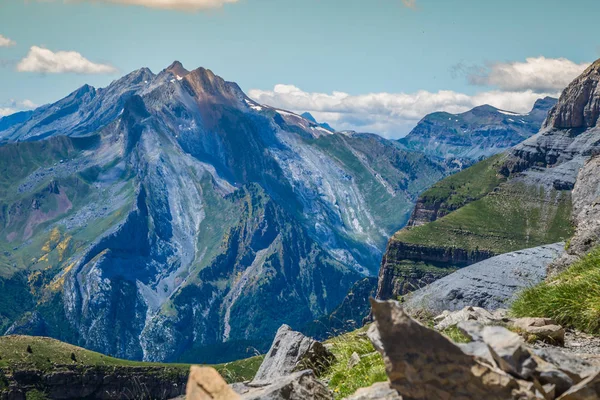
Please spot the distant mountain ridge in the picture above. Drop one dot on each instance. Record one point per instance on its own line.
(170, 217)
(475, 134)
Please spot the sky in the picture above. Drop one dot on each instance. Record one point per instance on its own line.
(366, 65)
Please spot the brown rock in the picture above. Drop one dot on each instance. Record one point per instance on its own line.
(423, 364)
(205, 383)
(544, 328)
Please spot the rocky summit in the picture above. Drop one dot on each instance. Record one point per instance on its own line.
(171, 217)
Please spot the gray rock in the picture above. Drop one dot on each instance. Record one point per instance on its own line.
(588, 389)
(354, 360)
(471, 329)
(544, 329)
(423, 364)
(378, 391)
(448, 319)
(300, 385)
(509, 351)
(373, 335)
(480, 351)
(575, 367)
(490, 284)
(586, 216)
(291, 351)
(561, 381)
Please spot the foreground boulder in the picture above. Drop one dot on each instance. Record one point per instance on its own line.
(378, 391)
(422, 364)
(206, 383)
(290, 352)
(301, 385)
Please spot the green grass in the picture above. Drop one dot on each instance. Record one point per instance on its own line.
(48, 354)
(511, 218)
(571, 298)
(343, 381)
(466, 186)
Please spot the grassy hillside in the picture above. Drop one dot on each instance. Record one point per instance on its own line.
(512, 217)
(46, 354)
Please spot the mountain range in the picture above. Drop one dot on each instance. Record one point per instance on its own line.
(475, 134)
(169, 217)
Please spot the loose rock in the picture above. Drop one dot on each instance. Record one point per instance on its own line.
(206, 383)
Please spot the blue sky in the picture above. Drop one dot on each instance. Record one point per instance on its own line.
(375, 65)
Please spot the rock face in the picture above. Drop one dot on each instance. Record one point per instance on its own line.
(475, 134)
(162, 217)
(490, 284)
(291, 351)
(79, 382)
(586, 216)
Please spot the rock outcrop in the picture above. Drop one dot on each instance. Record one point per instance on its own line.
(490, 284)
(205, 383)
(291, 352)
(423, 364)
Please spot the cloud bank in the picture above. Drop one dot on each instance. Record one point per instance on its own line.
(15, 106)
(6, 42)
(44, 60)
(392, 115)
(539, 74)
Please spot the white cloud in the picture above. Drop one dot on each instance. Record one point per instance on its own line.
(14, 106)
(6, 42)
(4, 111)
(181, 5)
(536, 73)
(390, 114)
(44, 60)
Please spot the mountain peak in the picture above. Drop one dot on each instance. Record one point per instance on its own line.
(579, 103)
(177, 69)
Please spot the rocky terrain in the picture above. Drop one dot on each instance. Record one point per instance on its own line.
(475, 134)
(512, 201)
(171, 217)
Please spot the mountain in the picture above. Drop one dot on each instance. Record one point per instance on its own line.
(514, 200)
(310, 117)
(475, 134)
(171, 217)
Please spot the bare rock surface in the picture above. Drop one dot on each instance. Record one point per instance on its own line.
(291, 351)
(300, 385)
(489, 284)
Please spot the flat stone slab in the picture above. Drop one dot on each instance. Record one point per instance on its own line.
(490, 284)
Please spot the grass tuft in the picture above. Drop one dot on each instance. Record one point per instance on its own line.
(572, 298)
(371, 369)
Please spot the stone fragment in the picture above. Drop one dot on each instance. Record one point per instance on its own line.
(471, 329)
(509, 351)
(205, 383)
(448, 319)
(354, 360)
(292, 351)
(544, 329)
(378, 391)
(588, 389)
